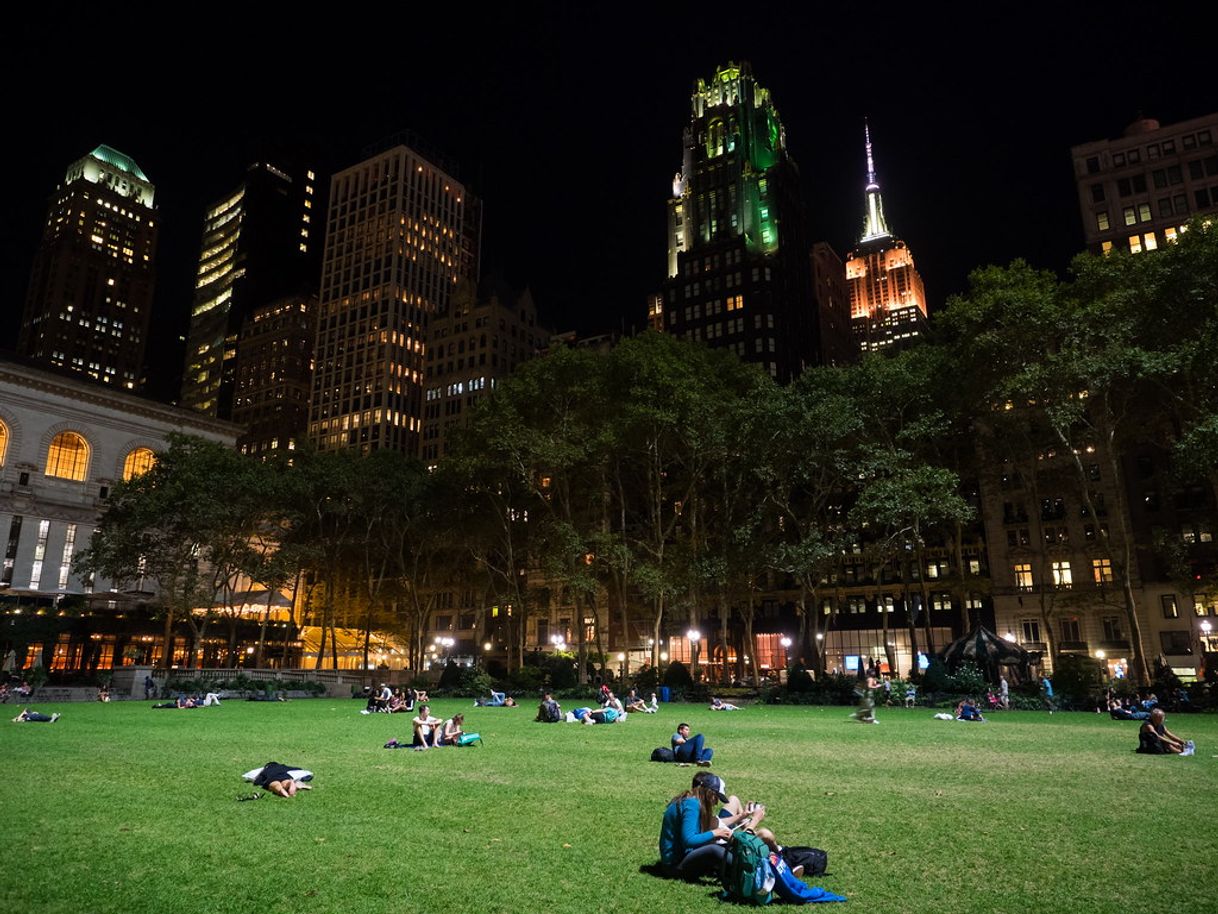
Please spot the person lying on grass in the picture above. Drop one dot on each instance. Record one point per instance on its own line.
(718, 704)
(277, 778)
(600, 716)
(1155, 739)
(427, 729)
(33, 717)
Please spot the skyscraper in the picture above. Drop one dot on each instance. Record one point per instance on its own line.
(90, 294)
(274, 374)
(739, 275)
(1137, 191)
(259, 244)
(887, 299)
(401, 232)
(475, 342)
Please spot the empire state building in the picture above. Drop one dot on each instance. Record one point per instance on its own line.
(887, 299)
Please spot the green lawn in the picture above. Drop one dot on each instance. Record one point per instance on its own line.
(116, 808)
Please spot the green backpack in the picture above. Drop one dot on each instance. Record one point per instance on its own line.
(750, 878)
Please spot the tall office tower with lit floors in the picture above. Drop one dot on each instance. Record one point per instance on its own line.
(739, 275)
(260, 244)
(90, 292)
(401, 233)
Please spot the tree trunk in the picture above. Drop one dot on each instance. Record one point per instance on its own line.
(167, 657)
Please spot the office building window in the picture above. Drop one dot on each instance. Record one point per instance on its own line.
(1023, 575)
(1101, 569)
(1171, 609)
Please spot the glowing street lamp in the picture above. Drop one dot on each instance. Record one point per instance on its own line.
(621, 662)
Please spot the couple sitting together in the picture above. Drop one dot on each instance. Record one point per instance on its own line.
(431, 732)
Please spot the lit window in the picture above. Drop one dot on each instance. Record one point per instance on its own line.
(3, 442)
(40, 553)
(1149, 241)
(1102, 569)
(65, 564)
(1061, 574)
(68, 457)
(1101, 221)
(1023, 576)
(138, 463)
(1135, 244)
(1106, 247)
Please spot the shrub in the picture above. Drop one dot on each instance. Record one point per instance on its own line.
(677, 676)
(968, 680)
(526, 679)
(1075, 679)
(647, 680)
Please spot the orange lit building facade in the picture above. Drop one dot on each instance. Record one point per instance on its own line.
(887, 298)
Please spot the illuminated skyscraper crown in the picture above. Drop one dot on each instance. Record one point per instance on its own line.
(874, 226)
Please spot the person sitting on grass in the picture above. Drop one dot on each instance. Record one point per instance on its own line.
(968, 710)
(692, 830)
(33, 717)
(687, 749)
(635, 703)
(1155, 739)
(653, 706)
(277, 778)
(451, 730)
(421, 696)
(426, 729)
(911, 695)
(718, 704)
(548, 711)
(614, 703)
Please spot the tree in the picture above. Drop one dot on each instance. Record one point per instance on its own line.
(184, 524)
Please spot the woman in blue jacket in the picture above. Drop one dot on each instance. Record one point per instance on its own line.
(691, 830)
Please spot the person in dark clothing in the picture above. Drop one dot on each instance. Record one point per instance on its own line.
(1155, 739)
(276, 778)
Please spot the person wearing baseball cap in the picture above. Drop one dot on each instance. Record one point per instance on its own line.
(692, 830)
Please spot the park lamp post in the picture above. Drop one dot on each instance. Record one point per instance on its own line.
(1100, 655)
(694, 637)
(621, 668)
(559, 642)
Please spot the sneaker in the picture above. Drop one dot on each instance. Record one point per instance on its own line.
(704, 763)
(55, 717)
(365, 711)
(1188, 750)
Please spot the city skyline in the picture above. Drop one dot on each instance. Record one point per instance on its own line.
(551, 128)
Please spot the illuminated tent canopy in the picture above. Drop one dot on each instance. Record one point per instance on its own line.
(985, 649)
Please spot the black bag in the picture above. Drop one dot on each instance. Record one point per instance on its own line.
(660, 754)
(812, 859)
(549, 713)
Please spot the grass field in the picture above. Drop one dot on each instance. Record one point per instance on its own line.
(116, 808)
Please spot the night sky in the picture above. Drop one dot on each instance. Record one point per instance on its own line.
(568, 124)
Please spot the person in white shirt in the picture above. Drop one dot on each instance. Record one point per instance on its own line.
(426, 729)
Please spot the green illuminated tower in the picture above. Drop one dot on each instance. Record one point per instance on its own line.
(739, 275)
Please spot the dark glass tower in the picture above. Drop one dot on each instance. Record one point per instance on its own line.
(260, 243)
(90, 292)
(739, 275)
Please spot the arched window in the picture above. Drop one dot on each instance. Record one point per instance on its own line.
(68, 457)
(138, 463)
(3, 442)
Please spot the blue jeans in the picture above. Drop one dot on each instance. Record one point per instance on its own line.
(497, 699)
(692, 750)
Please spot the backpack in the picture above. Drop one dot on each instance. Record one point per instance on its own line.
(749, 878)
(661, 754)
(468, 739)
(550, 713)
(814, 860)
